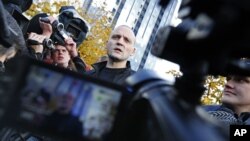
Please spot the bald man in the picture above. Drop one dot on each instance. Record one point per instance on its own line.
(120, 47)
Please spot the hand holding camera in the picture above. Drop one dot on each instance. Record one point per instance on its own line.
(71, 47)
(45, 24)
(38, 42)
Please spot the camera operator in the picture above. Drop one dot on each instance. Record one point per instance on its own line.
(61, 53)
(38, 37)
(235, 107)
(65, 55)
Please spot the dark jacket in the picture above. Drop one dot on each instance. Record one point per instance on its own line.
(79, 64)
(226, 115)
(119, 78)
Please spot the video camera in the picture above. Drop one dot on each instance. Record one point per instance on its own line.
(209, 32)
(75, 26)
(58, 29)
(60, 104)
(210, 40)
(48, 43)
(69, 24)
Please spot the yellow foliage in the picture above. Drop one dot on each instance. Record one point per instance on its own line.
(214, 86)
(94, 46)
(175, 73)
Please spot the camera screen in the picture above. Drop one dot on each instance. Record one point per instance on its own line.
(73, 31)
(58, 103)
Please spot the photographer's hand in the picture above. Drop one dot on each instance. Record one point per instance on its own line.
(46, 27)
(38, 38)
(71, 47)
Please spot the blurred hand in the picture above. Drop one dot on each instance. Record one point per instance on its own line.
(71, 47)
(46, 27)
(38, 38)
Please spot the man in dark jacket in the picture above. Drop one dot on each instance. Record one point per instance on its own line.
(120, 47)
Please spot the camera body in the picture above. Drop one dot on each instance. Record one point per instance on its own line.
(73, 25)
(211, 36)
(37, 101)
(58, 29)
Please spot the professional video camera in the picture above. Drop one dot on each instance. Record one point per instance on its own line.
(69, 24)
(210, 40)
(57, 103)
(214, 33)
(74, 25)
(33, 26)
(48, 43)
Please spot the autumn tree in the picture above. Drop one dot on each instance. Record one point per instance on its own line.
(214, 86)
(94, 46)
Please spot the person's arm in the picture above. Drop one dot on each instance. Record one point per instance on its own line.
(78, 62)
(80, 65)
(70, 45)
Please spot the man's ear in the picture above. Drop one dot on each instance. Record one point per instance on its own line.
(133, 52)
(107, 44)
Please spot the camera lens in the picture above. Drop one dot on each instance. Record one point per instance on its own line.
(48, 43)
(60, 26)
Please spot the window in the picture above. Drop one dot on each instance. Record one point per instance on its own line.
(113, 11)
(117, 2)
(135, 21)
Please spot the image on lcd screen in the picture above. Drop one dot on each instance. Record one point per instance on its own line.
(67, 105)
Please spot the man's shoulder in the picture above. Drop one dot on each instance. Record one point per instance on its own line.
(211, 107)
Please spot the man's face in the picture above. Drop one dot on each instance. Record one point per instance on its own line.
(237, 91)
(121, 44)
(61, 56)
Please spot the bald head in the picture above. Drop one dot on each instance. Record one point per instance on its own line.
(121, 43)
(129, 32)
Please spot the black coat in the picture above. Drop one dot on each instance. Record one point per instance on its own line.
(119, 78)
